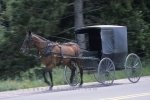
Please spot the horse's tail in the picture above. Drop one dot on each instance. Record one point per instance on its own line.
(77, 50)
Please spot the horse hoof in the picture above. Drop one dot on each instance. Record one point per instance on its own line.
(80, 85)
(50, 88)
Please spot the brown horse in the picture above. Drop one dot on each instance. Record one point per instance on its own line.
(53, 54)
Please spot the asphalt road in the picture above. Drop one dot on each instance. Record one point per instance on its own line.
(121, 90)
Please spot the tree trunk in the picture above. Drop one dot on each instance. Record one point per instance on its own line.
(79, 22)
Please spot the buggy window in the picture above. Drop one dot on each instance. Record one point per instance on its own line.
(107, 41)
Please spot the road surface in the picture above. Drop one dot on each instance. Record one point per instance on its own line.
(121, 90)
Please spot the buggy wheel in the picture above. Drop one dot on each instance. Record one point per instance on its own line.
(106, 72)
(96, 77)
(67, 75)
(133, 68)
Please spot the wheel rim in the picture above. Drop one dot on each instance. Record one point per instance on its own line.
(133, 68)
(106, 71)
(96, 76)
(67, 74)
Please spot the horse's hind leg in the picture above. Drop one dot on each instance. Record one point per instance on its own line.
(72, 74)
(81, 76)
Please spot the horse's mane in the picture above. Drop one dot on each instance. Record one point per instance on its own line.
(41, 37)
(67, 43)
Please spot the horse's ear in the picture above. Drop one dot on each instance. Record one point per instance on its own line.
(29, 33)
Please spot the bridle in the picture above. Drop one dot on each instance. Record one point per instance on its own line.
(27, 44)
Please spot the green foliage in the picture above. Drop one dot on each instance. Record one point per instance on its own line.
(21, 16)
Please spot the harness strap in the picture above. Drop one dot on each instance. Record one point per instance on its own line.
(61, 52)
(48, 49)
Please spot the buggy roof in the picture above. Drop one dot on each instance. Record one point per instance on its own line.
(113, 37)
(99, 27)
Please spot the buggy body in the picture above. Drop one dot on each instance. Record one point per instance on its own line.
(105, 50)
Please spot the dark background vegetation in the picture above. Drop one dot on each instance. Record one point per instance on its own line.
(51, 17)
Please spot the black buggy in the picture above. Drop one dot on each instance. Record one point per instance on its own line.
(106, 50)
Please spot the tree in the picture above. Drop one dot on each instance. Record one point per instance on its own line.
(79, 21)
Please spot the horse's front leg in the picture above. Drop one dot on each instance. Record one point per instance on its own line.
(44, 75)
(45, 71)
(51, 78)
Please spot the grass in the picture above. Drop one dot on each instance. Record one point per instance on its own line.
(58, 78)
(14, 85)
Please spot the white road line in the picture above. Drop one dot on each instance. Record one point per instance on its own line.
(127, 96)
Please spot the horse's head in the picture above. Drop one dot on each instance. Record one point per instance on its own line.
(27, 43)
